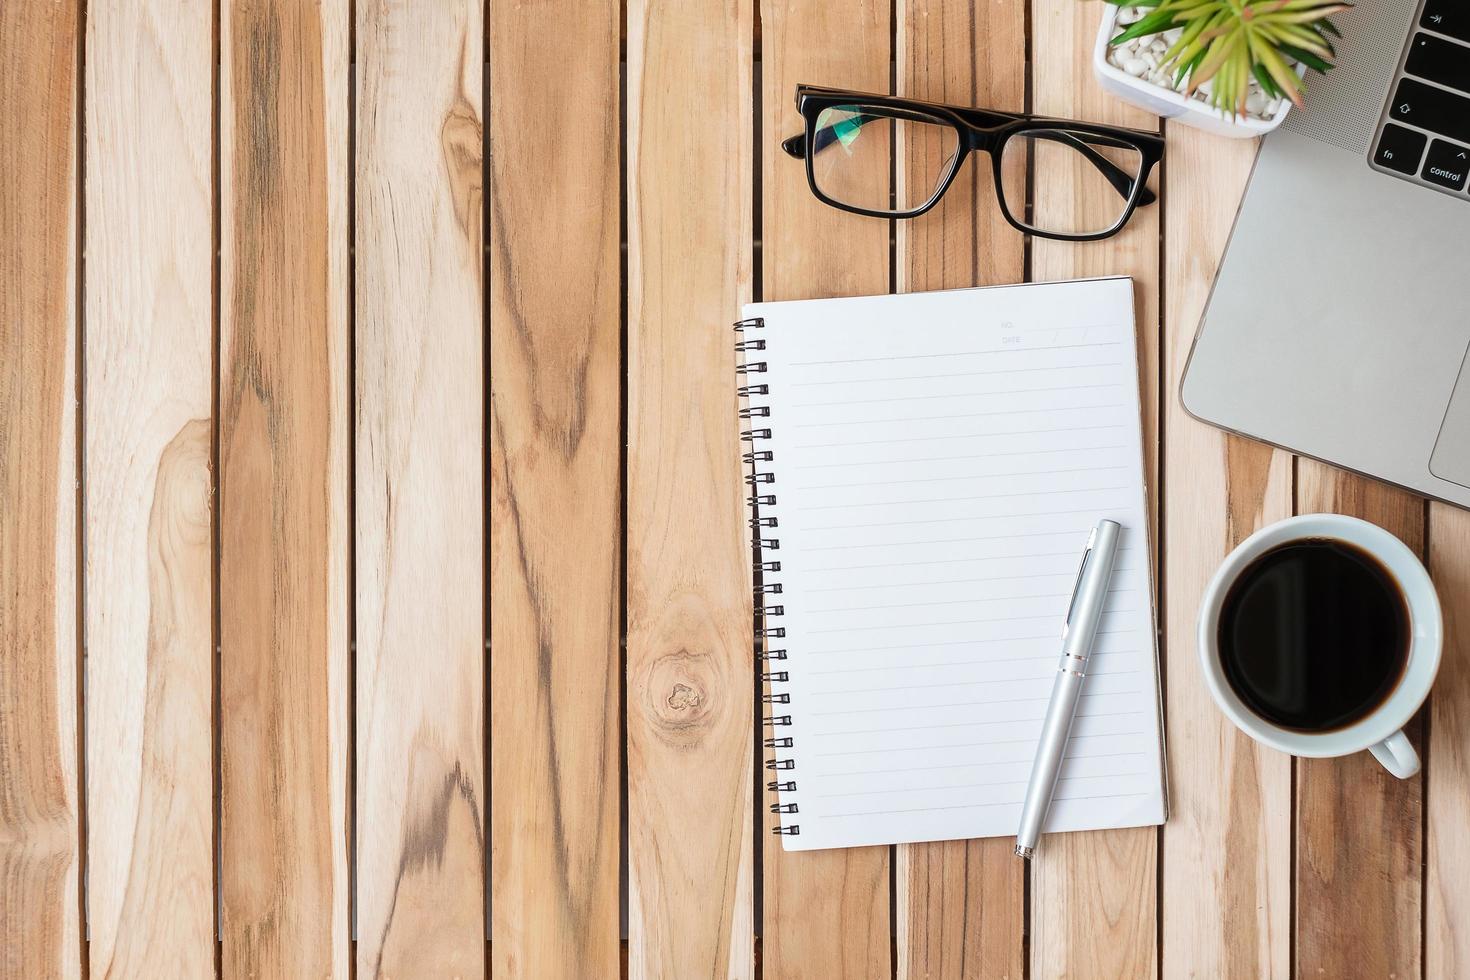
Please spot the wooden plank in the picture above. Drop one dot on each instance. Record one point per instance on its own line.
(960, 904)
(283, 507)
(1359, 831)
(690, 855)
(419, 492)
(555, 496)
(826, 913)
(1447, 797)
(1227, 846)
(149, 623)
(39, 862)
(1093, 895)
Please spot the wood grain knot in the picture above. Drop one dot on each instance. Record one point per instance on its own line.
(179, 520)
(460, 141)
(680, 697)
(684, 697)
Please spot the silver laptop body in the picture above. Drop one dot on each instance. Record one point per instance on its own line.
(1339, 323)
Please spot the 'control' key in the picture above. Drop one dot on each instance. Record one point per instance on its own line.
(1447, 165)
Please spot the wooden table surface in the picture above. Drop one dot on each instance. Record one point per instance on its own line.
(374, 579)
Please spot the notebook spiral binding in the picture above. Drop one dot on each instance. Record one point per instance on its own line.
(760, 482)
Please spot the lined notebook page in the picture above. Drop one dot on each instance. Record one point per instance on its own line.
(938, 461)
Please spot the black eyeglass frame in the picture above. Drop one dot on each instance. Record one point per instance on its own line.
(983, 131)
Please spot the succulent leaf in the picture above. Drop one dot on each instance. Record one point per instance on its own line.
(1229, 43)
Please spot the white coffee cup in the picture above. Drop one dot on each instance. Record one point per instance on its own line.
(1381, 731)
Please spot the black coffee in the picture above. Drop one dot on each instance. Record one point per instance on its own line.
(1314, 635)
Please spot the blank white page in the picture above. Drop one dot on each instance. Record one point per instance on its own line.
(938, 460)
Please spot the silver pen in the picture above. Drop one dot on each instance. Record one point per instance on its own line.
(1089, 597)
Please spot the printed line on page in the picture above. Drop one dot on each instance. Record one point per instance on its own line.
(957, 436)
(955, 479)
(882, 379)
(977, 806)
(963, 765)
(962, 500)
(949, 520)
(1070, 573)
(952, 459)
(962, 394)
(956, 622)
(1053, 657)
(867, 607)
(981, 537)
(971, 353)
(982, 745)
(888, 708)
(1050, 409)
(1048, 668)
(947, 685)
(956, 786)
(967, 724)
(959, 643)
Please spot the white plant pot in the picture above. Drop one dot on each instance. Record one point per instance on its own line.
(1167, 102)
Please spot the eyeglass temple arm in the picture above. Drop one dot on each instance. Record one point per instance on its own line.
(796, 146)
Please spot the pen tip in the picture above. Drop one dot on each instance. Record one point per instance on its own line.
(1022, 851)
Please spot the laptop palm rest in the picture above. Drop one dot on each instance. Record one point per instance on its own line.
(1451, 459)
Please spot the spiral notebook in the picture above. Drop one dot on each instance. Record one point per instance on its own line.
(924, 472)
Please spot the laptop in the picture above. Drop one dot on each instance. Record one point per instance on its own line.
(1339, 323)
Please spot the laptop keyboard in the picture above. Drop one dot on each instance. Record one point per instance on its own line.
(1425, 134)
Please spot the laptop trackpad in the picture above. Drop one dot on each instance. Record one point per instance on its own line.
(1451, 459)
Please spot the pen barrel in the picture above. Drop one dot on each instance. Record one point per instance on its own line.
(1089, 599)
(1091, 596)
(1055, 731)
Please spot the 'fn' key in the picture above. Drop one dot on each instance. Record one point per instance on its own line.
(1400, 150)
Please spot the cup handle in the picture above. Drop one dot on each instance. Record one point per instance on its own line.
(1397, 755)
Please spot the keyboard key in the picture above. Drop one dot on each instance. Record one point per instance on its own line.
(1441, 61)
(1431, 108)
(1400, 149)
(1447, 165)
(1450, 17)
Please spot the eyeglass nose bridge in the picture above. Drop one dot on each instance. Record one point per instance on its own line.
(981, 140)
(982, 130)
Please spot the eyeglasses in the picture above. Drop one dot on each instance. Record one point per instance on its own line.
(894, 158)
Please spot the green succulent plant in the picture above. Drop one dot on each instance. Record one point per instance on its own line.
(1229, 42)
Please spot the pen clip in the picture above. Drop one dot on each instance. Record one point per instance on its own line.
(1077, 586)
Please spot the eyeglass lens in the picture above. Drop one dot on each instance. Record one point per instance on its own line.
(853, 159)
(1080, 183)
